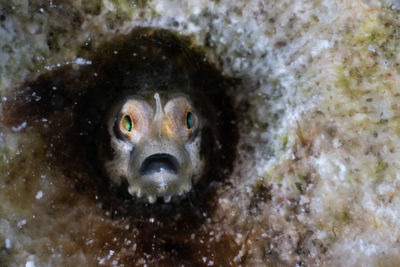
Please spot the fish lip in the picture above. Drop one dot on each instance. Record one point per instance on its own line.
(159, 162)
(149, 176)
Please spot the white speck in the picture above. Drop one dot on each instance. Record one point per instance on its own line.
(322, 235)
(151, 220)
(371, 48)
(102, 261)
(167, 198)
(8, 243)
(30, 264)
(115, 52)
(20, 127)
(21, 223)
(248, 190)
(320, 46)
(264, 235)
(39, 195)
(110, 253)
(4, 98)
(151, 199)
(82, 61)
(196, 10)
(110, 6)
(41, 10)
(336, 143)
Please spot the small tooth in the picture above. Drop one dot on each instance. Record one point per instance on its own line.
(167, 198)
(139, 193)
(151, 199)
(131, 190)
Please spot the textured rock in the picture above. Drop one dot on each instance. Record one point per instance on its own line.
(317, 177)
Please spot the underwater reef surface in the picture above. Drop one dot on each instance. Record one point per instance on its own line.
(317, 175)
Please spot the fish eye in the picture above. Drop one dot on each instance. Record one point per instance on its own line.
(190, 119)
(126, 123)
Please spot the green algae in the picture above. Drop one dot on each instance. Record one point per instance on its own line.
(380, 171)
(93, 8)
(284, 141)
(365, 79)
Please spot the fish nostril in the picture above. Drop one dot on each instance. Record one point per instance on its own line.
(159, 163)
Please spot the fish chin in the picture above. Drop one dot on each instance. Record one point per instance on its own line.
(160, 174)
(160, 184)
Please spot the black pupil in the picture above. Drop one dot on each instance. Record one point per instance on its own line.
(189, 120)
(127, 122)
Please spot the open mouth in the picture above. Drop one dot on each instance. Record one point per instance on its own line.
(159, 163)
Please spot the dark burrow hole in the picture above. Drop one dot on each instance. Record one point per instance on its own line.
(67, 107)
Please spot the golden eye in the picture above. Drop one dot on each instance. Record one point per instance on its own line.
(126, 123)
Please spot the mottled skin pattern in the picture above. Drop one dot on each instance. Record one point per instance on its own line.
(156, 145)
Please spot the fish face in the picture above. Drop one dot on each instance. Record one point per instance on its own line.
(156, 146)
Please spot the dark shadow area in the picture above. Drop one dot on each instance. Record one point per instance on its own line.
(67, 106)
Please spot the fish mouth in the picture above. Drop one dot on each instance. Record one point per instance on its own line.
(159, 163)
(160, 174)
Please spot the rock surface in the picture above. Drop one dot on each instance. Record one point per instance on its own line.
(317, 177)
